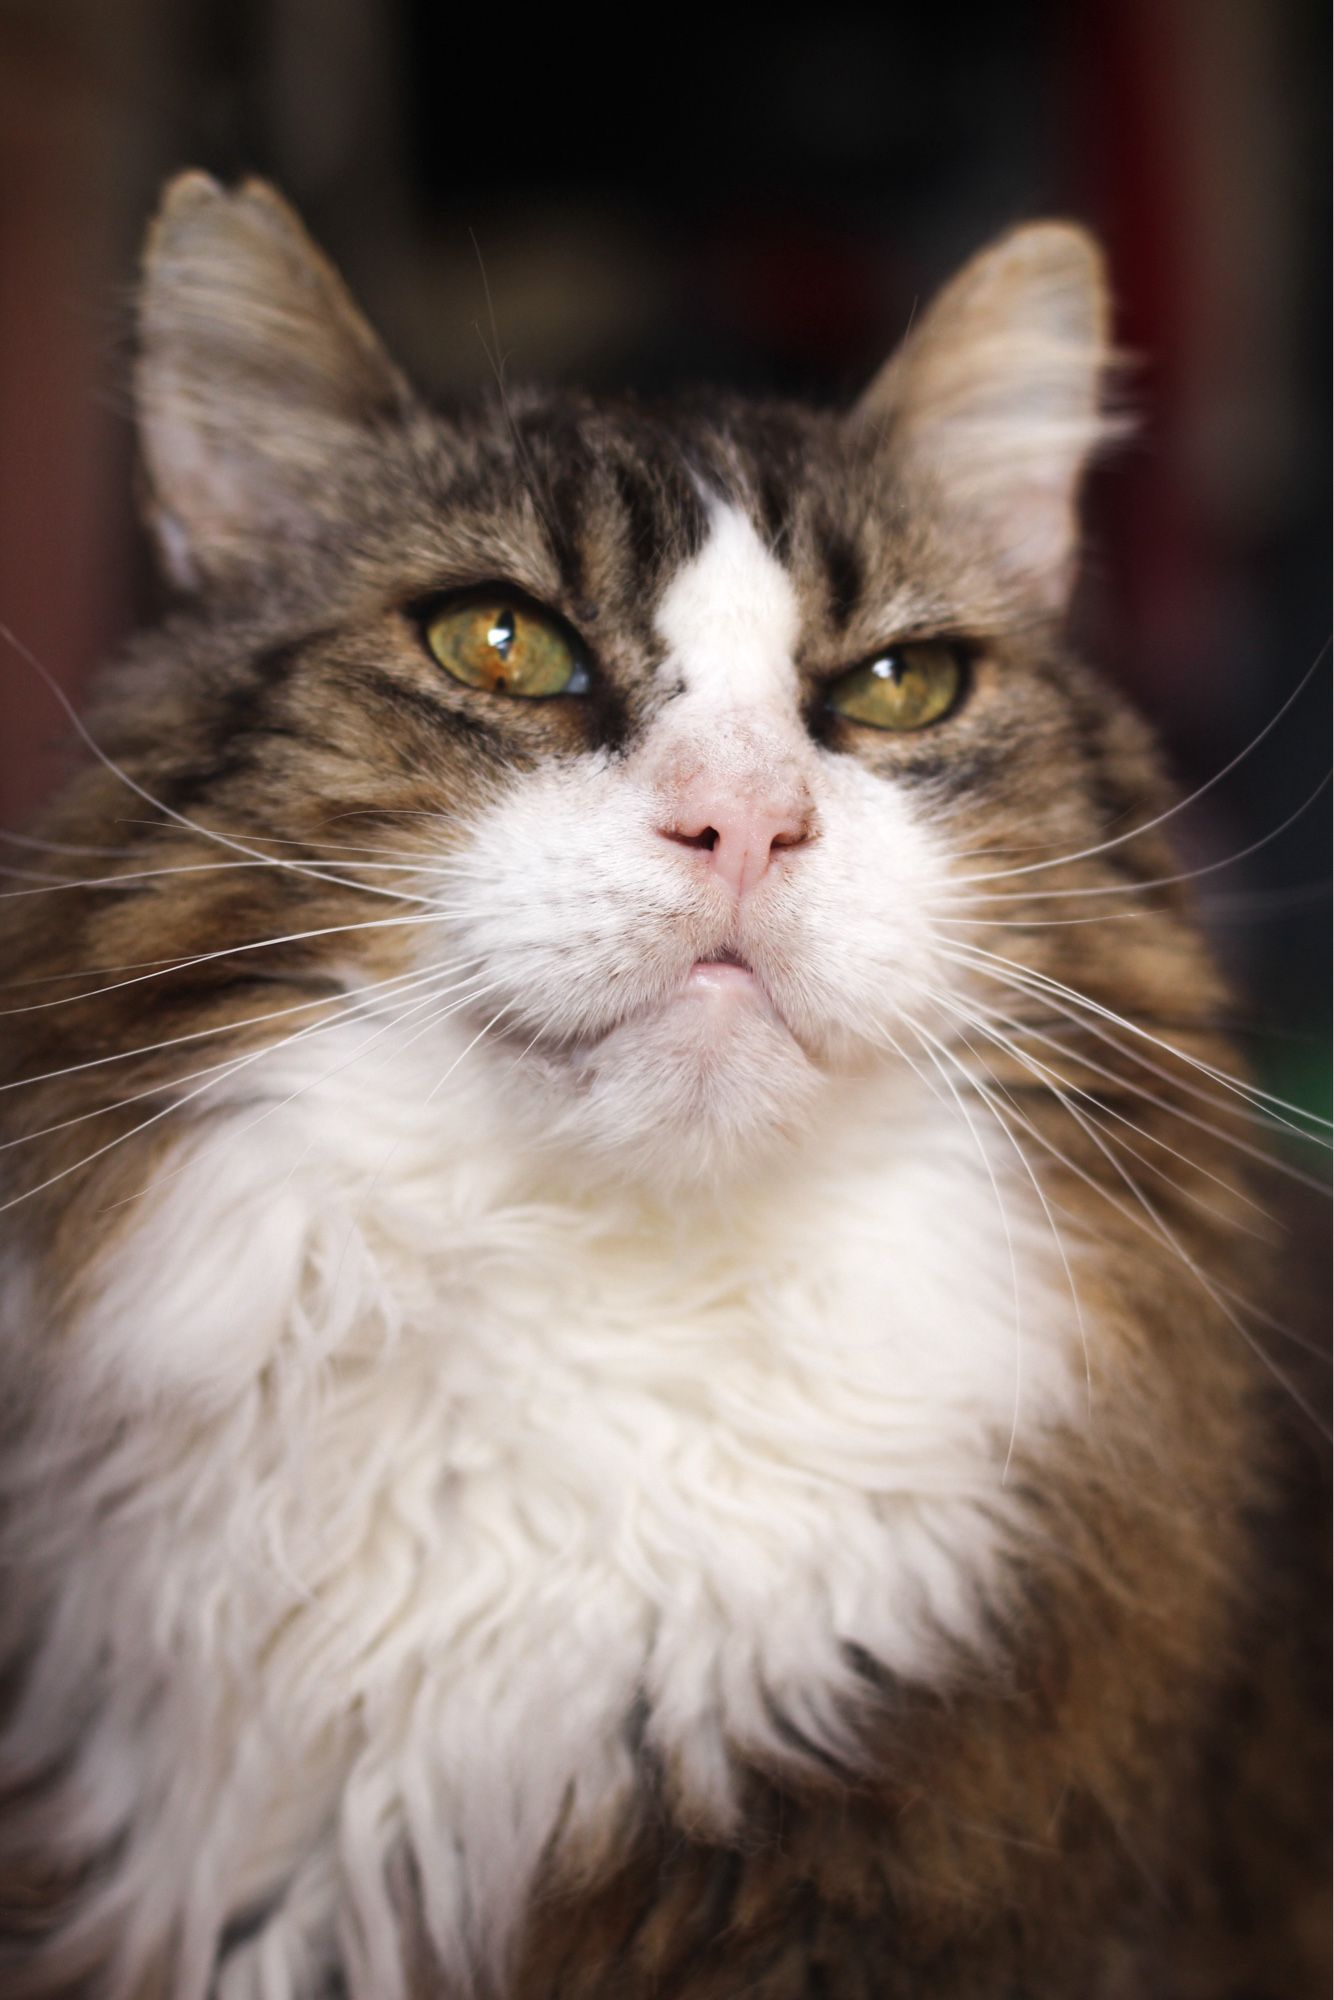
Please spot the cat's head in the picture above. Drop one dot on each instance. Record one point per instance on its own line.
(690, 725)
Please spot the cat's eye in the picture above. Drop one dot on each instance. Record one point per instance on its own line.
(503, 646)
(905, 687)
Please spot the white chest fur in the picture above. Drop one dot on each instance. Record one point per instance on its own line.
(498, 1492)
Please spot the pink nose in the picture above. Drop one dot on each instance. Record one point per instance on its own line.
(739, 835)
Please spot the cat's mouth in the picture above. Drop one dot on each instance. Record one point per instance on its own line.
(723, 970)
(718, 1004)
(702, 1007)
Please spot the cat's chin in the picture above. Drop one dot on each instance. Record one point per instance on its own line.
(694, 1090)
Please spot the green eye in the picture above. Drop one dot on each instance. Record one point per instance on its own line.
(499, 645)
(905, 687)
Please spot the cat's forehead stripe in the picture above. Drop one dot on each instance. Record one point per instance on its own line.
(730, 618)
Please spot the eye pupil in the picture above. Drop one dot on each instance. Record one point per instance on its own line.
(501, 634)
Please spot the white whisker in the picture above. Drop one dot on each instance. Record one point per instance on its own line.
(930, 1046)
(987, 1095)
(45, 886)
(438, 915)
(1170, 812)
(1242, 1089)
(181, 819)
(1156, 1226)
(329, 999)
(271, 1110)
(407, 983)
(1178, 1111)
(1050, 1078)
(1155, 881)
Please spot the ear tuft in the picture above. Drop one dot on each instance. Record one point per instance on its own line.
(255, 371)
(995, 397)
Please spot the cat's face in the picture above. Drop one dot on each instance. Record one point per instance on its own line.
(689, 727)
(690, 927)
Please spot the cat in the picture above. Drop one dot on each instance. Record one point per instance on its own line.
(624, 1326)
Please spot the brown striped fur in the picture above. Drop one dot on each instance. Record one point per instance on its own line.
(1058, 1818)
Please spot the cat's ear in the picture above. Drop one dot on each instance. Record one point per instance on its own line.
(996, 396)
(256, 373)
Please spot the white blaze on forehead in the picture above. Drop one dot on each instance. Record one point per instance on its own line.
(730, 619)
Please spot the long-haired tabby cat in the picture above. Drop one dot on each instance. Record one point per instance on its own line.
(626, 1264)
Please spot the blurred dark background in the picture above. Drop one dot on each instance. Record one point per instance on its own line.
(671, 197)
